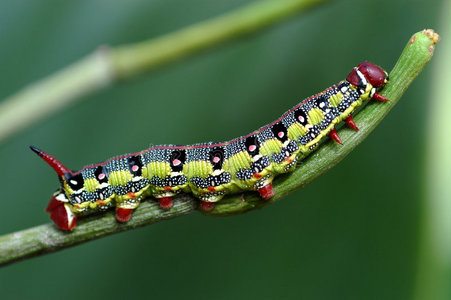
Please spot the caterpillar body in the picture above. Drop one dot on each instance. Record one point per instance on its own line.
(211, 170)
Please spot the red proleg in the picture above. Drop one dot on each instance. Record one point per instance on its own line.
(123, 214)
(266, 192)
(53, 203)
(207, 205)
(165, 202)
(63, 217)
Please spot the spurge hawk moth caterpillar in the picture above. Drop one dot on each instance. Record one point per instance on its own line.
(211, 170)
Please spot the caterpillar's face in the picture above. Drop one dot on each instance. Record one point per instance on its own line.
(367, 72)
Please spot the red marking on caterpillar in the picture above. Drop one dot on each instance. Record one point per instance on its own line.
(165, 203)
(53, 203)
(266, 192)
(123, 214)
(61, 214)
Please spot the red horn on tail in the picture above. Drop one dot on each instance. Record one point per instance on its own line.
(59, 168)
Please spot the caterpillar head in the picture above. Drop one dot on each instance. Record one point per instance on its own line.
(59, 206)
(367, 72)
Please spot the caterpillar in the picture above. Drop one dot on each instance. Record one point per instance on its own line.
(211, 170)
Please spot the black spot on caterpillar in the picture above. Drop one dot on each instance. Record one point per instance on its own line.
(211, 170)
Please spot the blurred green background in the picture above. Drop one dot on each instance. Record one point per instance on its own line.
(352, 234)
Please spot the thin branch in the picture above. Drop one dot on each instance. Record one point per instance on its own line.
(106, 65)
(47, 238)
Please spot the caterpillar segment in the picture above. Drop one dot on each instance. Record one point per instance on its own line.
(211, 170)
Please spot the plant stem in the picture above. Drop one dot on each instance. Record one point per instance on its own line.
(47, 238)
(106, 65)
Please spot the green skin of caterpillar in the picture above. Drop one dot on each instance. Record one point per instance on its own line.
(231, 164)
(204, 168)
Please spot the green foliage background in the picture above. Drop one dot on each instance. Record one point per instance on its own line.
(352, 234)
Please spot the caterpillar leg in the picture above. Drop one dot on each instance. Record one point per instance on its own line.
(165, 198)
(125, 208)
(334, 135)
(205, 205)
(60, 212)
(208, 200)
(266, 191)
(264, 187)
(379, 97)
(123, 215)
(350, 121)
(165, 202)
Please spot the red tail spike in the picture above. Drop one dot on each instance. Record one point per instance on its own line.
(59, 168)
(334, 135)
(379, 97)
(350, 121)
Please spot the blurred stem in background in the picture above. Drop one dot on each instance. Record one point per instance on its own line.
(106, 65)
(434, 276)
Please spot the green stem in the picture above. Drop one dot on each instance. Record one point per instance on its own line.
(47, 238)
(104, 66)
